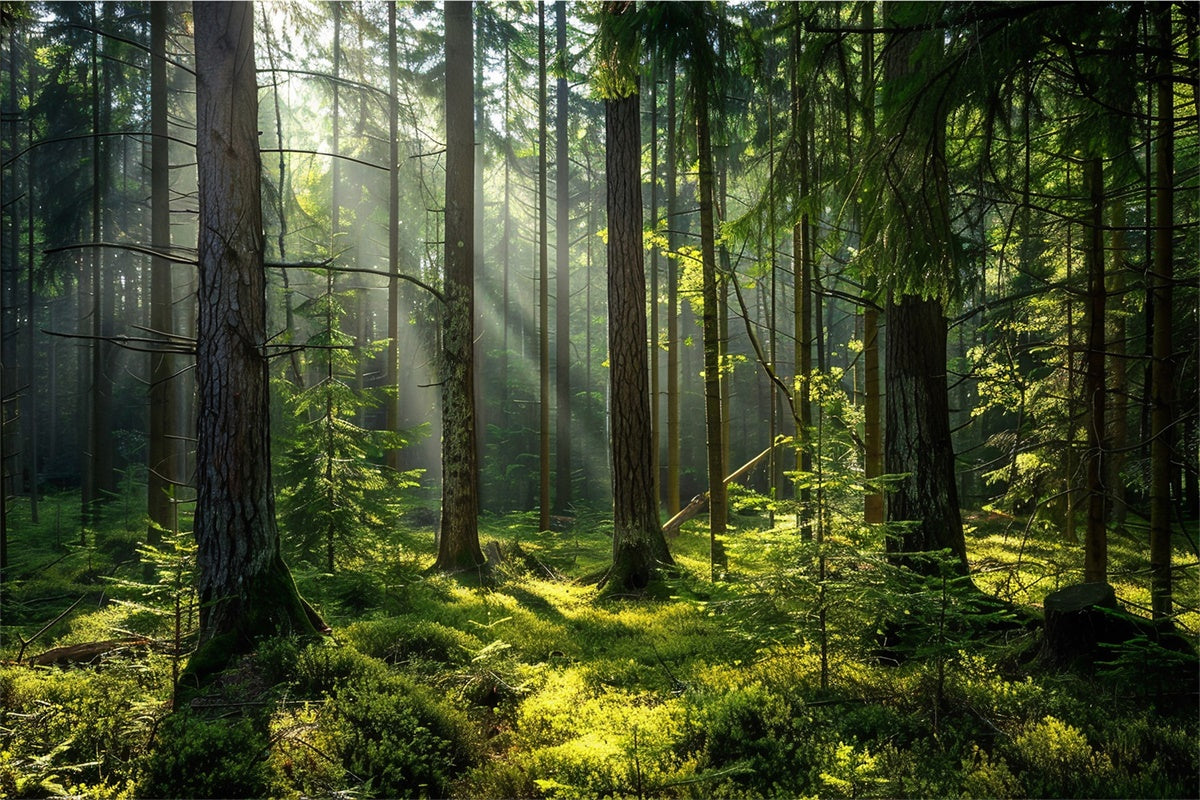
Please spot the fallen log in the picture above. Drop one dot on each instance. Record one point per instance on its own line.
(672, 526)
(85, 653)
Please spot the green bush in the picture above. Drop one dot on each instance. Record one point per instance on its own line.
(198, 757)
(397, 738)
(405, 639)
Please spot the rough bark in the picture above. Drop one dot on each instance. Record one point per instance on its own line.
(639, 547)
(458, 542)
(924, 504)
(245, 590)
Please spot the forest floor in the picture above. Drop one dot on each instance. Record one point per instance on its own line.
(801, 671)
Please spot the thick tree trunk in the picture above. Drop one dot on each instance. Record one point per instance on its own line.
(924, 504)
(639, 547)
(458, 542)
(245, 590)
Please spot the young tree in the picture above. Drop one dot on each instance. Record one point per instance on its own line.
(639, 547)
(458, 542)
(245, 589)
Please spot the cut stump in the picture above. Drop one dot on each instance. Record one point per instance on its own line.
(1079, 619)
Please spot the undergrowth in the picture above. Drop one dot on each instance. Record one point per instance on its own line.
(768, 683)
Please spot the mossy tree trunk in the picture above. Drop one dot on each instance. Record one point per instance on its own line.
(458, 543)
(245, 589)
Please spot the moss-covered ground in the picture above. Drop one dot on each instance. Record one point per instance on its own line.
(804, 670)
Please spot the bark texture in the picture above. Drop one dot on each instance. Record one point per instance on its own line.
(245, 590)
(924, 504)
(458, 543)
(639, 546)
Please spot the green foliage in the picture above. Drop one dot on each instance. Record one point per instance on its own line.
(397, 737)
(199, 757)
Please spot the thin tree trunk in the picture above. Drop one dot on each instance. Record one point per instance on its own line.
(31, 400)
(164, 404)
(392, 371)
(802, 301)
(1118, 386)
(872, 429)
(458, 543)
(543, 289)
(1162, 365)
(714, 424)
(673, 344)
(562, 287)
(1095, 553)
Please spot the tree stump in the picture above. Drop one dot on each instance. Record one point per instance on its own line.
(1079, 619)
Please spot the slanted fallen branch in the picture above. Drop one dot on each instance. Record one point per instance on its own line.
(672, 526)
(84, 653)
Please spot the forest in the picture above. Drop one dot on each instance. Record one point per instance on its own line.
(749, 399)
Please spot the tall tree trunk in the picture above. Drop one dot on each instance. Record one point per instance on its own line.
(392, 371)
(164, 432)
(1162, 364)
(562, 285)
(1118, 371)
(1095, 551)
(802, 299)
(543, 289)
(245, 589)
(674, 434)
(458, 543)
(924, 504)
(713, 422)
(639, 547)
(31, 394)
(872, 429)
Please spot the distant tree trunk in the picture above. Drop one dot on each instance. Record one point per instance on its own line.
(802, 300)
(1118, 371)
(717, 503)
(31, 394)
(245, 589)
(392, 371)
(543, 288)
(872, 429)
(163, 442)
(1162, 366)
(674, 434)
(639, 547)
(458, 543)
(562, 285)
(1095, 552)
